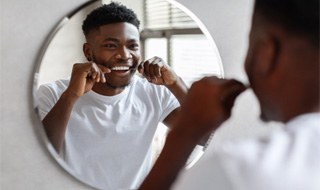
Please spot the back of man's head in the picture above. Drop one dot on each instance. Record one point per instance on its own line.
(109, 14)
(296, 16)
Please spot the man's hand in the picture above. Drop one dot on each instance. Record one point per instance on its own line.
(208, 104)
(157, 72)
(83, 77)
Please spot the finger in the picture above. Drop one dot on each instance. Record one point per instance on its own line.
(103, 68)
(102, 77)
(140, 68)
(213, 80)
(102, 71)
(83, 68)
(94, 71)
(146, 71)
(232, 86)
(80, 69)
(98, 71)
(152, 68)
(229, 95)
(157, 69)
(97, 76)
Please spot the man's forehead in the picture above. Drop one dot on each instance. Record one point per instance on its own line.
(116, 29)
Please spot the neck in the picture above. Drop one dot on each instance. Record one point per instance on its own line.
(107, 89)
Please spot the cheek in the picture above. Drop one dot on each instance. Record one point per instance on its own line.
(103, 56)
(136, 56)
(249, 62)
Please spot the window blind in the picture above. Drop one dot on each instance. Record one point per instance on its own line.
(172, 35)
(161, 14)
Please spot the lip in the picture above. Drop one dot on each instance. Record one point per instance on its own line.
(121, 65)
(121, 70)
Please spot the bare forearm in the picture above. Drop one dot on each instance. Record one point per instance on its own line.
(179, 89)
(172, 159)
(55, 122)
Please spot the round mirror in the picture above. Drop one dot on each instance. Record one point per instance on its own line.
(109, 158)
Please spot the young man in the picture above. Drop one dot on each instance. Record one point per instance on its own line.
(102, 121)
(282, 65)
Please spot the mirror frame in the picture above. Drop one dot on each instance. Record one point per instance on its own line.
(62, 22)
(39, 128)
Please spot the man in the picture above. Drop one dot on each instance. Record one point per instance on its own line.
(282, 65)
(103, 119)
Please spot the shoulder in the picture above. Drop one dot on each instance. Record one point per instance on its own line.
(56, 87)
(290, 153)
(59, 84)
(143, 84)
(299, 132)
(255, 151)
(261, 160)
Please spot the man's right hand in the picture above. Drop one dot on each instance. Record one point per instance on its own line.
(208, 104)
(83, 77)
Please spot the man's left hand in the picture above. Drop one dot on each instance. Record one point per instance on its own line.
(157, 72)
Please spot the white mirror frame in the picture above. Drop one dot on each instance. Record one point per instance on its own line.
(44, 47)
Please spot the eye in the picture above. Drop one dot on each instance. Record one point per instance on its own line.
(134, 46)
(110, 46)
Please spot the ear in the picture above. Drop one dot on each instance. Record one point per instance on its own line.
(87, 51)
(270, 49)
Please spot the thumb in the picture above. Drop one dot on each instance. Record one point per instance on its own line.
(104, 69)
(140, 68)
(231, 95)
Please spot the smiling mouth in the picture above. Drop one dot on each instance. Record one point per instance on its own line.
(120, 68)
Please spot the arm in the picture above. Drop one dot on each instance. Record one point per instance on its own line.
(179, 90)
(158, 72)
(55, 122)
(207, 105)
(82, 79)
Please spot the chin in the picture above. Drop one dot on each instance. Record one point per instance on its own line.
(267, 116)
(264, 118)
(117, 85)
(120, 82)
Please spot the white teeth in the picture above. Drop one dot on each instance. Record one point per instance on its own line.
(120, 68)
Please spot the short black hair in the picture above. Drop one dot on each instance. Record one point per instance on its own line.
(297, 16)
(109, 14)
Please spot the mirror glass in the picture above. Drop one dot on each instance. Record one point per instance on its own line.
(167, 30)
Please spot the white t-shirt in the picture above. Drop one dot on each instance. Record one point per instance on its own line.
(288, 159)
(108, 138)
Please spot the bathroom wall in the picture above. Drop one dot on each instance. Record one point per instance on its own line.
(25, 161)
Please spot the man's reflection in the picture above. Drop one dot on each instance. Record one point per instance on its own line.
(103, 118)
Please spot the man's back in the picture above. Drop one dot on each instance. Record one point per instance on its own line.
(282, 66)
(287, 159)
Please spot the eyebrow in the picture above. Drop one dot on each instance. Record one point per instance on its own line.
(117, 40)
(111, 39)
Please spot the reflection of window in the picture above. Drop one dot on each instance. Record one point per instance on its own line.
(172, 35)
(161, 14)
(191, 56)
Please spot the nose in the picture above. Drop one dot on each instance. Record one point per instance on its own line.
(124, 54)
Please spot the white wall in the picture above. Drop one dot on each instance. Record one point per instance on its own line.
(25, 162)
(229, 24)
